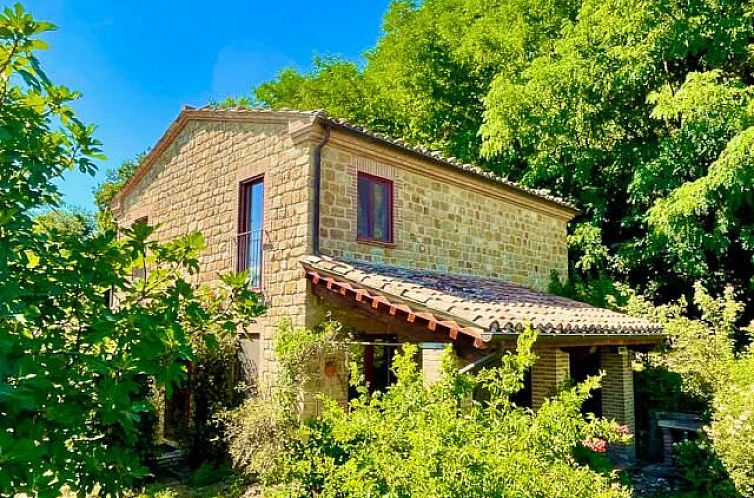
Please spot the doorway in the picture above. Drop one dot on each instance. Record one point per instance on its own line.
(585, 362)
(374, 356)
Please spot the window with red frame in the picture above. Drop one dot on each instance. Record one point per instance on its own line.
(375, 208)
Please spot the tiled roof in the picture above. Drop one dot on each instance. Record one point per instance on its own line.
(322, 116)
(482, 305)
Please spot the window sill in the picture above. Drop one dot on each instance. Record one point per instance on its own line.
(375, 242)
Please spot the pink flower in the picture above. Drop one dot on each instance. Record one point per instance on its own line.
(595, 444)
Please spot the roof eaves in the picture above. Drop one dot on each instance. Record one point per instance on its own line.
(215, 114)
(504, 327)
(541, 194)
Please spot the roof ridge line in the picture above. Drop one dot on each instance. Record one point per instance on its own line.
(187, 112)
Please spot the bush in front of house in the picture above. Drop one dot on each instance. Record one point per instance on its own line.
(702, 469)
(732, 426)
(261, 432)
(705, 351)
(436, 441)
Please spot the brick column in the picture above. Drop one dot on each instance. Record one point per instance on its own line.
(618, 395)
(548, 374)
(431, 361)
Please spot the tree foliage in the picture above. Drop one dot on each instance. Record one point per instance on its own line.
(732, 430)
(106, 191)
(639, 111)
(73, 368)
(702, 350)
(66, 220)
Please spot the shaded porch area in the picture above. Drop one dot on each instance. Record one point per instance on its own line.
(482, 317)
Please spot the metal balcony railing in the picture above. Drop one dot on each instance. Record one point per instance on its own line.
(249, 256)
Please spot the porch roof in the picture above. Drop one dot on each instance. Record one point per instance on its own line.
(479, 307)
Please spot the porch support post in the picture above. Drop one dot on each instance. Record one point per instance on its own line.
(618, 395)
(431, 361)
(548, 374)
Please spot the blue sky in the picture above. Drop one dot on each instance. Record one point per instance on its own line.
(138, 62)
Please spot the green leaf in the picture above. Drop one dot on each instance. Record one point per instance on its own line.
(32, 259)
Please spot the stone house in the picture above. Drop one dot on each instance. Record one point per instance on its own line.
(395, 241)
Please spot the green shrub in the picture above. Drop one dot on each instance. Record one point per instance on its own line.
(716, 373)
(260, 431)
(706, 353)
(732, 427)
(417, 441)
(257, 433)
(702, 469)
(210, 473)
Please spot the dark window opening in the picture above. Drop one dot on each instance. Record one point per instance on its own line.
(375, 208)
(585, 362)
(523, 397)
(249, 240)
(374, 359)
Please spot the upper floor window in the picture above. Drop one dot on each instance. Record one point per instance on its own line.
(251, 211)
(375, 209)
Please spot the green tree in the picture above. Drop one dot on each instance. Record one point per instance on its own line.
(66, 220)
(72, 366)
(114, 181)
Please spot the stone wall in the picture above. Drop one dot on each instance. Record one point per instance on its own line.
(194, 185)
(446, 221)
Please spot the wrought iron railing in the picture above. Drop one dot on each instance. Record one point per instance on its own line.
(249, 256)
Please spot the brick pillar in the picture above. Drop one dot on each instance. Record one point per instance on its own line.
(548, 374)
(431, 361)
(618, 395)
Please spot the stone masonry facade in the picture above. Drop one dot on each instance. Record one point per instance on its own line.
(444, 220)
(194, 185)
(441, 222)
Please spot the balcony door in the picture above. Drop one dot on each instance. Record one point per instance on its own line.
(250, 219)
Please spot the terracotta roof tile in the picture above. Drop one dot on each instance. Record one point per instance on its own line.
(486, 303)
